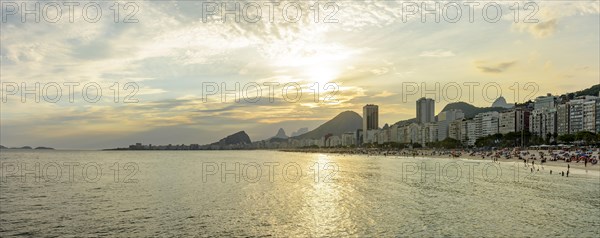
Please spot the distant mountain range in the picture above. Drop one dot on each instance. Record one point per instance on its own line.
(344, 122)
(26, 148)
(299, 132)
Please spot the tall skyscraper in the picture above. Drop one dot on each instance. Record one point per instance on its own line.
(425, 110)
(370, 118)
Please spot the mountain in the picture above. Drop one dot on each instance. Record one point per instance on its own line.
(280, 134)
(405, 122)
(27, 148)
(300, 131)
(344, 122)
(469, 110)
(234, 139)
(592, 91)
(501, 102)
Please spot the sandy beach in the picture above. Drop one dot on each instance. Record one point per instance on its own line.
(557, 166)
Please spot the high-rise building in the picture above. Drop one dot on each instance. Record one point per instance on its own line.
(582, 114)
(471, 126)
(513, 121)
(575, 116)
(542, 102)
(562, 119)
(429, 133)
(598, 114)
(486, 123)
(425, 110)
(414, 134)
(370, 121)
(589, 115)
(444, 120)
(543, 122)
(458, 130)
(508, 122)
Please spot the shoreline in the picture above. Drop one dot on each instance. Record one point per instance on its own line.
(557, 166)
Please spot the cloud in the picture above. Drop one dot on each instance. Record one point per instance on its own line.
(437, 53)
(380, 71)
(384, 94)
(544, 29)
(539, 30)
(494, 67)
(549, 14)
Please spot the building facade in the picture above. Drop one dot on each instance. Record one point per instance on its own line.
(425, 110)
(544, 123)
(487, 123)
(444, 120)
(370, 121)
(562, 119)
(544, 102)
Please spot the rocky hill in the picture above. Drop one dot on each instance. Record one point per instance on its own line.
(344, 122)
(280, 134)
(239, 138)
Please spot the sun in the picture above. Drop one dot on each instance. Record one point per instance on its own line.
(321, 74)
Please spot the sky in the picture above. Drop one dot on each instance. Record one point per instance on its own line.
(163, 66)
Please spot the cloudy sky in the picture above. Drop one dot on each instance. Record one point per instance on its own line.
(377, 52)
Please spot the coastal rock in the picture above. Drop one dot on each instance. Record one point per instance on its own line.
(235, 139)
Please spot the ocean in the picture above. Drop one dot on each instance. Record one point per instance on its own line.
(46, 193)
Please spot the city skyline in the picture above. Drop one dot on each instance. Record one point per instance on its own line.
(376, 58)
(541, 118)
